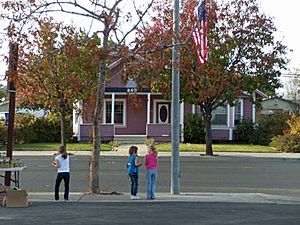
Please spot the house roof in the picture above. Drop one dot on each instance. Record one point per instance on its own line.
(282, 99)
(258, 92)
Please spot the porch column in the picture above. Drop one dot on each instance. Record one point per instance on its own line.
(148, 112)
(231, 123)
(228, 115)
(181, 122)
(79, 121)
(113, 108)
(193, 109)
(242, 109)
(253, 109)
(148, 107)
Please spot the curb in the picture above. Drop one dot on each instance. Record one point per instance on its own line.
(295, 156)
(250, 198)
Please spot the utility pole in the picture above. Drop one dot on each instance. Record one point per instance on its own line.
(175, 169)
(11, 77)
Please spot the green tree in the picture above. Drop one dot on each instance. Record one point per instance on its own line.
(243, 55)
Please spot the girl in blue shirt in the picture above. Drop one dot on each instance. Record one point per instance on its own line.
(133, 165)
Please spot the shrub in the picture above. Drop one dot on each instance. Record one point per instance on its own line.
(290, 140)
(3, 132)
(245, 131)
(194, 129)
(264, 131)
(48, 129)
(270, 127)
(286, 143)
(24, 128)
(31, 129)
(294, 125)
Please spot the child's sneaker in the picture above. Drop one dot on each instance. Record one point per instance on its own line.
(134, 197)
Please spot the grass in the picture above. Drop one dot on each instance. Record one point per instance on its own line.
(161, 147)
(53, 147)
(219, 148)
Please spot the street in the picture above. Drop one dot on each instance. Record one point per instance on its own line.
(198, 174)
(150, 213)
(220, 174)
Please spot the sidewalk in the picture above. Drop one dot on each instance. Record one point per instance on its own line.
(123, 151)
(166, 197)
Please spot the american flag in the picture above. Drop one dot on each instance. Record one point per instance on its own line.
(199, 34)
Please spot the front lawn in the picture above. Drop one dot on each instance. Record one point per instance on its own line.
(218, 148)
(54, 146)
(166, 147)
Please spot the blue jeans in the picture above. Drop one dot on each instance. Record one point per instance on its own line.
(59, 178)
(134, 183)
(151, 183)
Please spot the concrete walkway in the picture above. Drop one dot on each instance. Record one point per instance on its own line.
(123, 151)
(166, 197)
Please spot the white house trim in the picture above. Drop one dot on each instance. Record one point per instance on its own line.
(228, 115)
(124, 111)
(193, 109)
(155, 108)
(77, 118)
(148, 107)
(113, 108)
(182, 120)
(253, 109)
(242, 109)
(218, 127)
(231, 123)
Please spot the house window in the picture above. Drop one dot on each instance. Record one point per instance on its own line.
(219, 116)
(163, 113)
(237, 113)
(119, 117)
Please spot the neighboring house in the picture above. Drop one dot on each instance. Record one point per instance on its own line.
(4, 109)
(277, 105)
(122, 120)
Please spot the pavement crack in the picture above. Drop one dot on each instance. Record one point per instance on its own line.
(80, 198)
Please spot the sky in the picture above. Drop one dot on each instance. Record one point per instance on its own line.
(286, 18)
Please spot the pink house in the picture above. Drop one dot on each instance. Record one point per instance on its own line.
(127, 121)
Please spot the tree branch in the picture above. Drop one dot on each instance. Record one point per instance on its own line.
(138, 22)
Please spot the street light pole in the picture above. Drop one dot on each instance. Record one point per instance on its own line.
(175, 170)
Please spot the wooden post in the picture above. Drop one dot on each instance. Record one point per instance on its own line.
(11, 77)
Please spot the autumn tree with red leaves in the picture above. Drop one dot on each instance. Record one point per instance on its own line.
(112, 20)
(243, 55)
(57, 67)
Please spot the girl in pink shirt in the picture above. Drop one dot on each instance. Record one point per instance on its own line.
(151, 160)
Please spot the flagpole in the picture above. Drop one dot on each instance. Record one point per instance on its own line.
(175, 169)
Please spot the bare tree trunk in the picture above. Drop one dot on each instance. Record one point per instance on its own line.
(94, 178)
(63, 124)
